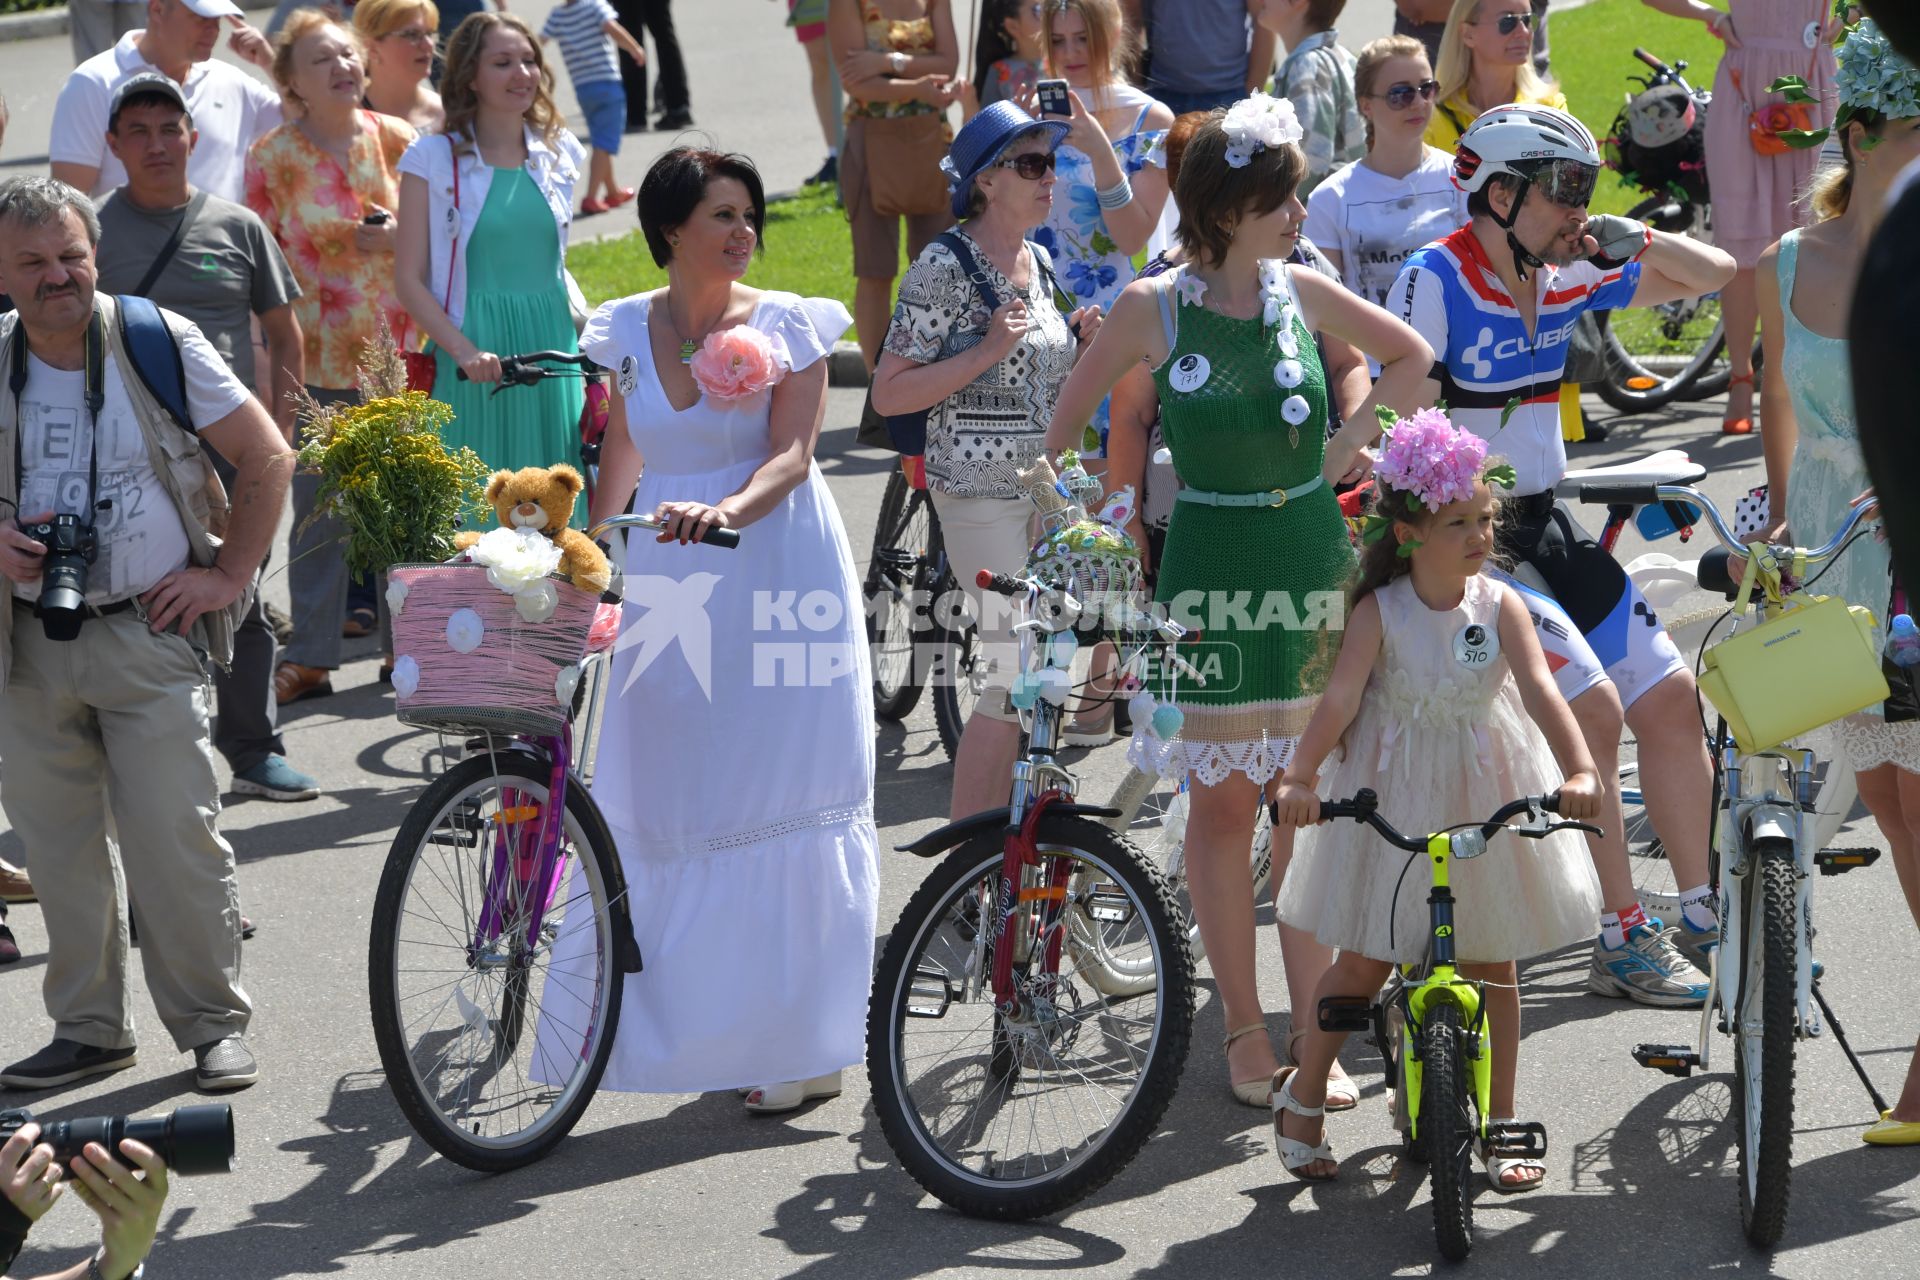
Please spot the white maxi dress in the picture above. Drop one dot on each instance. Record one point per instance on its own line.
(736, 763)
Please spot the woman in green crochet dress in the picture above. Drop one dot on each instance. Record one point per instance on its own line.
(1257, 552)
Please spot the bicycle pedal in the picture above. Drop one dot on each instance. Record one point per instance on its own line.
(1346, 1014)
(1517, 1139)
(1837, 862)
(1675, 1060)
(930, 994)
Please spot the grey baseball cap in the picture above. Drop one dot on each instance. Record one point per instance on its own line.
(144, 84)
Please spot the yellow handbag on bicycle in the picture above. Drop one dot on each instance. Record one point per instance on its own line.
(1814, 660)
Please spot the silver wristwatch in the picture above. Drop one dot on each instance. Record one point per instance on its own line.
(94, 1273)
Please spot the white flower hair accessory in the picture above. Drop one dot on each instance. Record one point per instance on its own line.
(1256, 123)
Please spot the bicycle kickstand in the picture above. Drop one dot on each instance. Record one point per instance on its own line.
(1833, 1024)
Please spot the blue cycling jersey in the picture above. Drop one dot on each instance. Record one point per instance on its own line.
(1485, 360)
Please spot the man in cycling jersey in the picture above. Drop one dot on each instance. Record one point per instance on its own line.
(1498, 300)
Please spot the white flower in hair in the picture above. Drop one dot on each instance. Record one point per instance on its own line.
(1256, 123)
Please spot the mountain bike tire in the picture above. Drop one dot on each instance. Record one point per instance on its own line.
(1446, 1128)
(903, 545)
(926, 975)
(1763, 1065)
(954, 690)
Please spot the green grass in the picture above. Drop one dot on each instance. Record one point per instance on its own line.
(807, 249)
(1593, 56)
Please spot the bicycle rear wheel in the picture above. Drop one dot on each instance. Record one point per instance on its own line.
(1764, 1031)
(903, 547)
(1447, 1128)
(1019, 1114)
(1656, 354)
(1153, 815)
(494, 1038)
(956, 673)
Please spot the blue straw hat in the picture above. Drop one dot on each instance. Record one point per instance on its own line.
(983, 139)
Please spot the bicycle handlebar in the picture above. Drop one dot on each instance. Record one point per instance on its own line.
(527, 369)
(1642, 495)
(1128, 620)
(714, 537)
(1651, 61)
(1364, 807)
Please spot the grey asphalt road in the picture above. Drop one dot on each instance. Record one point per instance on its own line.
(332, 1181)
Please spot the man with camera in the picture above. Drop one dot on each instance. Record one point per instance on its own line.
(121, 588)
(127, 1201)
(215, 263)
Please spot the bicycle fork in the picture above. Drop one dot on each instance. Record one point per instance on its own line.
(526, 866)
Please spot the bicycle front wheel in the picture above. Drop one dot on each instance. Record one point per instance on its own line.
(1763, 1056)
(493, 1030)
(1447, 1127)
(1020, 1112)
(896, 581)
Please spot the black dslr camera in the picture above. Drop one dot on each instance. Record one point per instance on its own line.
(71, 548)
(192, 1140)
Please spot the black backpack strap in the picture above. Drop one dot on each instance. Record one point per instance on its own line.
(172, 246)
(156, 357)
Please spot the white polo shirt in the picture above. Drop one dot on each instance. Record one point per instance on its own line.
(231, 110)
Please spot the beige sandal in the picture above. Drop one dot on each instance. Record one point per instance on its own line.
(1342, 1093)
(1252, 1093)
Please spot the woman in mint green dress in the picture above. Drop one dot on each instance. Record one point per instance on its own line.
(484, 210)
(1257, 553)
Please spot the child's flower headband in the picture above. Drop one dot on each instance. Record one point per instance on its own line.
(1433, 463)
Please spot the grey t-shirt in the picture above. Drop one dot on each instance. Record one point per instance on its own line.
(227, 269)
(1199, 46)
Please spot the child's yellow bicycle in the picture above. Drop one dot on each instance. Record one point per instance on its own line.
(1443, 1049)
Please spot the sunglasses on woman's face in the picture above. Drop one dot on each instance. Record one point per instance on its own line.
(1506, 22)
(1032, 166)
(1400, 96)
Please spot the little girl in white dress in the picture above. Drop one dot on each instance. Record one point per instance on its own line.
(1438, 701)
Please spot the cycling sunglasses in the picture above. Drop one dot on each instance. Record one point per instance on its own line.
(1031, 166)
(1508, 21)
(1401, 95)
(1567, 183)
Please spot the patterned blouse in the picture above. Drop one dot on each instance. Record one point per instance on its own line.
(894, 35)
(313, 210)
(979, 437)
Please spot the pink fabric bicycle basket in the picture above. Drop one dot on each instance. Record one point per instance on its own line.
(507, 682)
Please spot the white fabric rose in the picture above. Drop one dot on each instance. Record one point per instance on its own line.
(565, 682)
(516, 558)
(536, 603)
(1288, 374)
(465, 630)
(406, 675)
(396, 596)
(1295, 410)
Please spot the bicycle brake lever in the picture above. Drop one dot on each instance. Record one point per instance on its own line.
(1542, 832)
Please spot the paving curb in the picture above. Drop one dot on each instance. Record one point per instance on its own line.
(42, 23)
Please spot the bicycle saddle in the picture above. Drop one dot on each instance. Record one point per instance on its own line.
(1669, 466)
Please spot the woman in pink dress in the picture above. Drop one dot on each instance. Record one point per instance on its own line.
(1755, 197)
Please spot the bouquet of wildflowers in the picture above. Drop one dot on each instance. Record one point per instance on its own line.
(386, 473)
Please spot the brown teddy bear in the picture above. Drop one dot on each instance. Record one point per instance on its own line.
(542, 498)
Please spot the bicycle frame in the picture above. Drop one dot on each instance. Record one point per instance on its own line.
(1416, 994)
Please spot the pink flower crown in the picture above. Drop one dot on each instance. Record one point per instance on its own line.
(1432, 462)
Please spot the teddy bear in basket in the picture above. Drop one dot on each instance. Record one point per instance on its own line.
(539, 501)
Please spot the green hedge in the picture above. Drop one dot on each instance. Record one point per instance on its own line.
(24, 6)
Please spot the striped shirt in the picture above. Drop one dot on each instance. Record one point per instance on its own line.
(579, 27)
(1485, 360)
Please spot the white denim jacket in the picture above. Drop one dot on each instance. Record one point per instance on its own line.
(554, 169)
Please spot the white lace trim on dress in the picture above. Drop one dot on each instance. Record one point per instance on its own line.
(1870, 742)
(1211, 763)
(838, 816)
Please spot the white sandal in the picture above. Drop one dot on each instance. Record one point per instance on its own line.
(1499, 1166)
(1295, 1154)
(767, 1099)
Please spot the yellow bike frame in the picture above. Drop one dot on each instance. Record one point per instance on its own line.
(1443, 982)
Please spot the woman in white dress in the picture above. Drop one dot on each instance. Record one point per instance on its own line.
(736, 765)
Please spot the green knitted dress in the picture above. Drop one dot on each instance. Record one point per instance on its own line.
(1263, 582)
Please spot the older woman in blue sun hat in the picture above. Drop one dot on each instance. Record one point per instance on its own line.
(977, 341)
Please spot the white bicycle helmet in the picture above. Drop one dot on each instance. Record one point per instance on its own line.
(1541, 146)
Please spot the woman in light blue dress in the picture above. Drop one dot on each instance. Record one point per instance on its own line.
(1815, 471)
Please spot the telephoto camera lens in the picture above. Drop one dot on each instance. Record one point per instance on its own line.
(63, 574)
(192, 1140)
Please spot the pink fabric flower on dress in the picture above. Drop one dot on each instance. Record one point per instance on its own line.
(739, 362)
(1427, 456)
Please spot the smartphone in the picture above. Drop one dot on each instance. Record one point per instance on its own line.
(1053, 98)
(376, 218)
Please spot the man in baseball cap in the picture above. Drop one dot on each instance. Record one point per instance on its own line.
(230, 109)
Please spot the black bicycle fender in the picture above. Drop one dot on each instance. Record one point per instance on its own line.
(955, 834)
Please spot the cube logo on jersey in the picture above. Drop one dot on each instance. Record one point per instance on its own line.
(1485, 352)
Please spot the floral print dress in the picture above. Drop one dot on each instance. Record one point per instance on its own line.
(314, 208)
(1090, 268)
